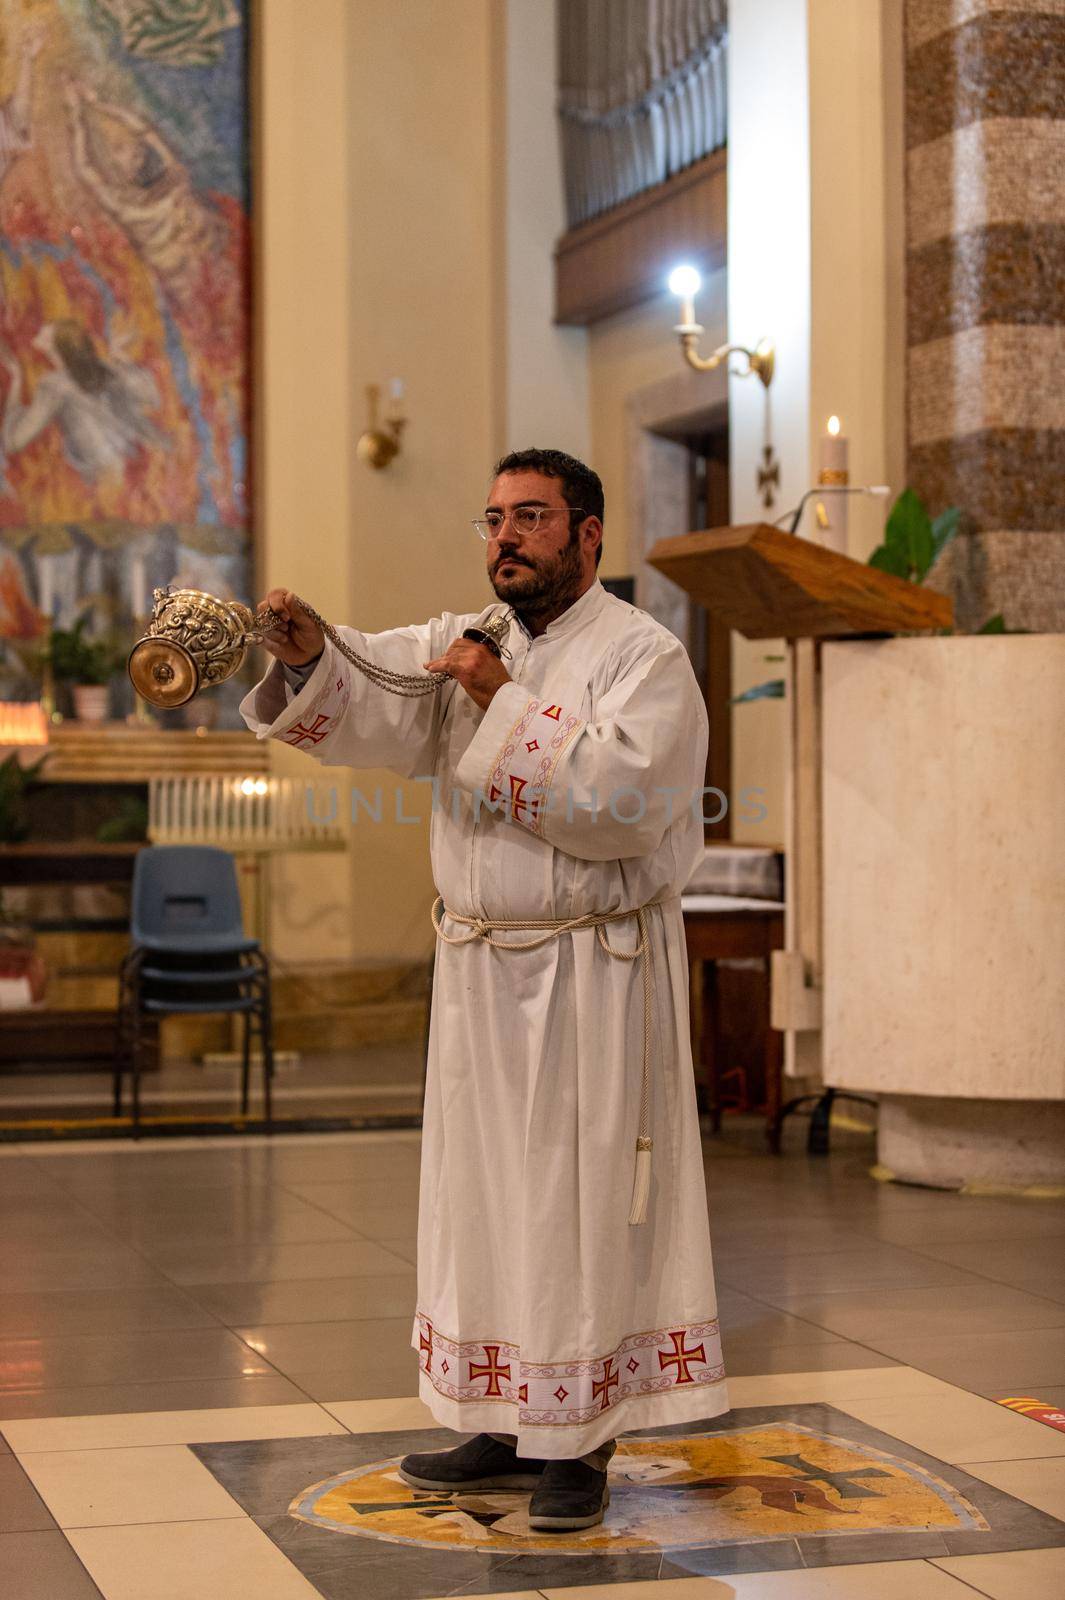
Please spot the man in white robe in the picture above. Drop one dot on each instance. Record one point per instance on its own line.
(567, 781)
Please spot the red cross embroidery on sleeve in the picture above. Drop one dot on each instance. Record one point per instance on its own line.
(297, 734)
(681, 1356)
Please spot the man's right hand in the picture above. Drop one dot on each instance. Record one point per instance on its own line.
(295, 640)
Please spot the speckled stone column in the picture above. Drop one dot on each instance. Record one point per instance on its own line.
(985, 290)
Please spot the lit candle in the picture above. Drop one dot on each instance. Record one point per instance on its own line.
(833, 473)
(685, 282)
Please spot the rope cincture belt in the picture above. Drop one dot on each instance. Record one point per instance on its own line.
(547, 929)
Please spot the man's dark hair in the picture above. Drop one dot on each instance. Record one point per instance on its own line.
(582, 488)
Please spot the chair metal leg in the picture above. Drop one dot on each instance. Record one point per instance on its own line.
(712, 1044)
(121, 1025)
(266, 1025)
(245, 1065)
(135, 1069)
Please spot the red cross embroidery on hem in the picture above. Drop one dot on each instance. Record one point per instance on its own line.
(610, 1380)
(493, 1371)
(681, 1356)
(425, 1342)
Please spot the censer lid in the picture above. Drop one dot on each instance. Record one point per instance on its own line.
(163, 672)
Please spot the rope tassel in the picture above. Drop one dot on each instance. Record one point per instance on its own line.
(641, 1183)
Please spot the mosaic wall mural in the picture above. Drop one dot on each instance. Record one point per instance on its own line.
(124, 311)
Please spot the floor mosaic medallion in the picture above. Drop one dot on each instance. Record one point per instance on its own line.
(763, 1489)
(667, 1493)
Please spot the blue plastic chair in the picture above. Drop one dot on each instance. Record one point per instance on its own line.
(189, 956)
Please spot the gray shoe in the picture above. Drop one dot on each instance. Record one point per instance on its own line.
(481, 1463)
(570, 1494)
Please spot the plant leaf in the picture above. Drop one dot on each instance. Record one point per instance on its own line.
(909, 530)
(995, 624)
(889, 558)
(771, 690)
(944, 529)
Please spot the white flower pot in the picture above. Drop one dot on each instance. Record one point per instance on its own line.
(91, 701)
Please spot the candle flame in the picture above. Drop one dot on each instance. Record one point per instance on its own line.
(833, 426)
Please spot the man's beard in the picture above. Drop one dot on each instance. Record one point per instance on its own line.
(548, 585)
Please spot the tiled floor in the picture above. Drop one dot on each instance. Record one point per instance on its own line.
(374, 1080)
(191, 1335)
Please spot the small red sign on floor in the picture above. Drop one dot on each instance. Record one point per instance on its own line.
(1038, 1410)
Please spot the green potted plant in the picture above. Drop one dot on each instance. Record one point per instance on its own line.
(86, 666)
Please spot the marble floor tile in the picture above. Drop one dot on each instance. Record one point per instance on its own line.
(994, 1364)
(308, 1300)
(110, 1431)
(919, 1313)
(230, 1560)
(29, 1270)
(161, 1395)
(396, 1374)
(869, 1267)
(385, 1225)
(159, 1239)
(86, 1311)
(751, 1322)
(42, 1566)
(894, 1580)
(1033, 1264)
(306, 1347)
(745, 1359)
(21, 1508)
(975, 1218)
(224, 1264)
(1012, 1575)
(961, 1428)
(1040, 1483)
(397, 1192)
(108, 1488)
(160, 1353)
(798, 1388)
(381, 1416)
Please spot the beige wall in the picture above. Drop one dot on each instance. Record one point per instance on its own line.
(544, 369)
(626, 354)
(376, 196)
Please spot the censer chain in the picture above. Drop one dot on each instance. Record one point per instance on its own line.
(409, 684)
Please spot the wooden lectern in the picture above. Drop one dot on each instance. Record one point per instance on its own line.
(773, 585)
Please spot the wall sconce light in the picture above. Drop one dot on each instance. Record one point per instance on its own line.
(380, 443)
(685, 282)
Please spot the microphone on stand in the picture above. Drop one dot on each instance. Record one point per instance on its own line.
(879, 489)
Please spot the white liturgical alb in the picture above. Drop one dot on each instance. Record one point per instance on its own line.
(541, 1311)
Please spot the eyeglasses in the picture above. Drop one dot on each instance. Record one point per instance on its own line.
(523, 519)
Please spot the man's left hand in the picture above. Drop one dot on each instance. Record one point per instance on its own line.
(475, 667)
